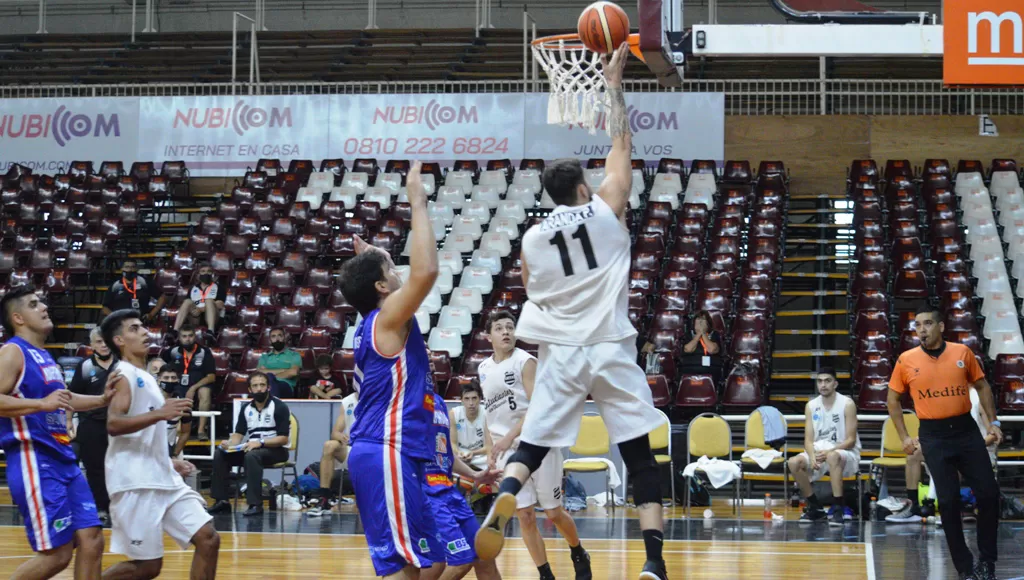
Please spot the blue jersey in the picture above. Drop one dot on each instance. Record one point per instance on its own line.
(439, 471)
(396, 393)
(40, 432)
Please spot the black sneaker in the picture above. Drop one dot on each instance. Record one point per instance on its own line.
(581, 565)
(654, 571)
(221, 507)
(835, 517)
(985, 570)
(968, 576)
(812, 515)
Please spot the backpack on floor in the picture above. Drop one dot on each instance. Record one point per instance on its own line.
(699, 494)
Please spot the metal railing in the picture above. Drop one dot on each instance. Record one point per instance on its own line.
(742, 96)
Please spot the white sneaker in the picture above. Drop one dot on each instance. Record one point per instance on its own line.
(905, 516)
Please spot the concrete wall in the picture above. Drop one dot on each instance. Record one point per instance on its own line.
(88, 16)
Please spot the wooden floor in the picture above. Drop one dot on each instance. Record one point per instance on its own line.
(283, 555)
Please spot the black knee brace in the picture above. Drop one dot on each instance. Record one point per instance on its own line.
(642, 469)
(529, 455)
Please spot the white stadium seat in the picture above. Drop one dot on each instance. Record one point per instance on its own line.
(423, 320)
(450, 259)
(311, 195)
(403, 273)
(477, 210)
(445, 280)
(1006, 343)
(440, 229)
(350, 337)
(433, 302)
(499, 242)
(381, 195)
(467, 226)
(487, 195)
(511, 209)
(1001, 321)
(321, 180)
(443, 211)
(667, 183)
(665, 196)
(346, 195)
(446, 339)
(356, 180)
(452, 195)
(471, 298)
(546, 202)
(392, 181)
(463, 179)
(478, 278)
(488, 259)
(457, 317)
(528, 179)
(507, 226)
(461, 243)
(522, 194)
(494, 178)
(594, 177)
(429, 185)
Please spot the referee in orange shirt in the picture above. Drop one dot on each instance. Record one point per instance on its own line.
(938, 375)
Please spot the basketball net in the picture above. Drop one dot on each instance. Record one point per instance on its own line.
(577, 84)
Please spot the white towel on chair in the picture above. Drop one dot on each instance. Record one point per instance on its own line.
(762, 457)
(613, 474)
(719, 472)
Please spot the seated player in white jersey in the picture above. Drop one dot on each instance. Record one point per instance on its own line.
(468, 428)
(335, 454)
(832, 446)
(147, 493)
(507, 380)
(576, 268)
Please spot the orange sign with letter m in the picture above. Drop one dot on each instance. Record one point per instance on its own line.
(983, 42)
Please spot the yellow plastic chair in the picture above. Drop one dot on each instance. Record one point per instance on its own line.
(891, 454)
(593, 445)
(284, 466)
(754, 439)
(708, 435)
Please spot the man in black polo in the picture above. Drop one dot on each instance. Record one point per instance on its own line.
(133, 291)
(262, 430)
(91, 437)
(197, 373)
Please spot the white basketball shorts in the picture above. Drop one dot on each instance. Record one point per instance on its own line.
(140, 518)
(544, 488)
(606, 371)
(851, 462)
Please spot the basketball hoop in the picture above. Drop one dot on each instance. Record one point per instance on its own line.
(577, 83)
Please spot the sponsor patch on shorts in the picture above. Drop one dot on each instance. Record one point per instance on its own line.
(460, 545)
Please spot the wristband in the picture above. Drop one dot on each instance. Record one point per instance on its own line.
(997, 423)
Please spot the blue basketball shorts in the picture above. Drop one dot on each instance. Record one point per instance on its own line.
(456, 525)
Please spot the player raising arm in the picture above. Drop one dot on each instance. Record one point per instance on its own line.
(394, 420)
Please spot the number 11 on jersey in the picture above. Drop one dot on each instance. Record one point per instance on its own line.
(563, 249)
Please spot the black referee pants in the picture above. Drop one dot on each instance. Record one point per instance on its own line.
(954, 449)
(92, 451)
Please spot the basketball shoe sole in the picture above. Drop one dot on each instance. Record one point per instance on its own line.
(491, 536)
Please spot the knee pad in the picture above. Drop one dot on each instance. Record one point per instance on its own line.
(529, 455)
(642, 469)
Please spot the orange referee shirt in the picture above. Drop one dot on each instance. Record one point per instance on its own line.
(940, 386)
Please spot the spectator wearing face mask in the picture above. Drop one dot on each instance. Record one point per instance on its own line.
(281, 365)
(205, 301)
(91, 437)
(198, 373)
(134, 292)
(263, 429)
(178, 430)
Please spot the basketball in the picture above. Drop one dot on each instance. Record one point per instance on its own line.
(603, 26)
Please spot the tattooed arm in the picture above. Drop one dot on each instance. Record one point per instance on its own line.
(619, 172)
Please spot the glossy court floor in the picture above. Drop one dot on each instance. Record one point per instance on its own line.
(293, 545)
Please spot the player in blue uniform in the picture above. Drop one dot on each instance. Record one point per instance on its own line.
(42, 471)
(391, 438)
(456, 523)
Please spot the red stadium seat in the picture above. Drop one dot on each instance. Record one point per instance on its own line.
(871, 321)
(872, 367)
(677, 280)
(696, 391)
(718, 281)
(672, 320)
(273, 246)
(737, 172)
(755, 300)
(472, 361)
(875, 300)
(319, 279)
(666, 341)
(332, 320)
(284, 227)
(232, 340)
(441, 366)
(696, 211)
(742, 388)
(724, 262)
(250, 319)
(1008, 367)
(873, 395)
(257, 263)
(910, 284)
(305, 299)
(318, 340)
(297, 262)
(659, 390)
(318, 227)
(652, 243)
(167, 281)
(344, 361)
(1011, 396)
(688, 245)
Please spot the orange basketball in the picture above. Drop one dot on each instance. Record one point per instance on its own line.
(603, 26)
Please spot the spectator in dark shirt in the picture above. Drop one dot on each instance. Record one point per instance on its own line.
(179, 429)
(205, 301)
(135, 292)
(323, 385)
(263, 430)
(90, 378)
(197, 373)
(702, 351)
